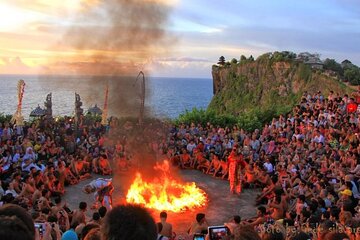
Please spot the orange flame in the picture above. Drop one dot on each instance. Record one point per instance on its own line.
(165, 193)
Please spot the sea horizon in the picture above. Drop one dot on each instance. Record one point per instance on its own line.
(167, 97)
(91, 75)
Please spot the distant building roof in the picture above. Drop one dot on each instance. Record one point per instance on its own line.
(95, 110)
(314, 61)
(38, 112)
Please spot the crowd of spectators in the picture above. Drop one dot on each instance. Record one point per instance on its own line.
(38, 161)
(306, 165)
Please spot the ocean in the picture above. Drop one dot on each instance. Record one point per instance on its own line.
(167, 97)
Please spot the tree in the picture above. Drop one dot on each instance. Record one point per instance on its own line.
(331, 64)
(242, 58)
(352, 74)
(234, 61)
(251, 58)
(221, 60)
(346, 64)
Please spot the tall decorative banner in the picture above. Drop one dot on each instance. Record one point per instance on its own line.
(18, 119)
(142, 98)
(105, 109)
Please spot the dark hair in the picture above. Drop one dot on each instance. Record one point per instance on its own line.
(93, 234)
(262, 209)
(163, 215)
(102, 211)
(82, 205)
(96, 216)
(273, 235)
(301, 198)
(246, 232)
(52, 219)
(336, 236)
(130, 222)
(57, 199)
(44, 192)
(87, 229)
(334, 212)
(21, 214)
(326, 215)
(237, 219)
(199, 217)
(300, 236)
(11, 227)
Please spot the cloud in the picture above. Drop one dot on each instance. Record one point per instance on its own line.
(187, 66)
(182, 59)
(16, 65)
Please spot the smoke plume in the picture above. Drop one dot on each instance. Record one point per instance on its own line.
(111, 41)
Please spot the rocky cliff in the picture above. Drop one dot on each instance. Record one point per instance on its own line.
(267, 85)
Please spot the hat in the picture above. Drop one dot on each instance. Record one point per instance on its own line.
(346, 192)
(69, 235)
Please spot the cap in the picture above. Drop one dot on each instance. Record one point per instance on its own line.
(346, 192)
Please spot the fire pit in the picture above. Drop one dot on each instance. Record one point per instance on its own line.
(164, 193)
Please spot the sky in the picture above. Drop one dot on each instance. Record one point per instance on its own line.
(40, 36)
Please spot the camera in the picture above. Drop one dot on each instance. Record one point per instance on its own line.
(40, 227)
(219, 233)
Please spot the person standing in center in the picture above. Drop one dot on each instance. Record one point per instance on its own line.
(236, 164)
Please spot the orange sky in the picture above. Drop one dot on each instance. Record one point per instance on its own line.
(73, 36)
(180, 38)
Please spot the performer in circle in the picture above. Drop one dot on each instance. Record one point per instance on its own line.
(236, 166)
(103, 189)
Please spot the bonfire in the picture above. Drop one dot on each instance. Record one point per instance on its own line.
(165, 193)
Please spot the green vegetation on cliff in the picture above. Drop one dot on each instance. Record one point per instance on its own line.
(251, 92)
(273, 84)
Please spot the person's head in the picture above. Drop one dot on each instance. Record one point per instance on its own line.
(94, 234)
(87, 228)
(102, 211)
(301, 198)
(200, 218)
(237, 219)
(261, 211)
(245, 232)
(82, 206)
(96, 216)
(89, 189)
(300, 236)
(15, 218)
(163, 216)
(45, 193)
(57, 200)
(126, 222)
(11, 228)
(333, 235)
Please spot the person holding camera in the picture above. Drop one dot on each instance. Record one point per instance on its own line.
(200, 225)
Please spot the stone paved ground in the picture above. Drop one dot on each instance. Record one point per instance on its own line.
(221, 206)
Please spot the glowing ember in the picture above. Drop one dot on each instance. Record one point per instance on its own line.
(165, 193)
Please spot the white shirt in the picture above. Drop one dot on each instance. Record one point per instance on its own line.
(269, 167)
(100, 183)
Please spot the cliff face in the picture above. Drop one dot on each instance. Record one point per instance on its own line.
(266, 85)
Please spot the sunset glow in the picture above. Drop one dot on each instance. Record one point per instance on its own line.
(50, 35)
